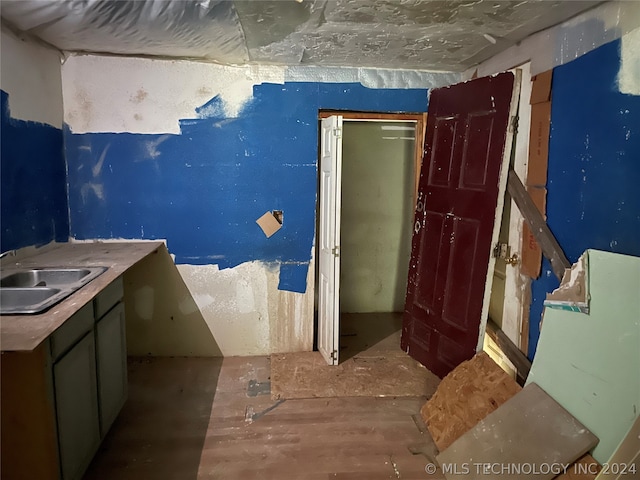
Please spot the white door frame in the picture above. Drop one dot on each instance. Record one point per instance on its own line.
(516, 284)
(328, 235)
(330, 171)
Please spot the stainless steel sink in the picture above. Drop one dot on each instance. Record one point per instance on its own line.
(34, 290)
(39, 277)
(28, 300)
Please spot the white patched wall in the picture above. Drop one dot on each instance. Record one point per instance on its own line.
(242, 306)
(30, 74)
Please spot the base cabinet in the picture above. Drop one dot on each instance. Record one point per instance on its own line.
(76, 398)
(59, 401)
(111, 354)
(28, 424)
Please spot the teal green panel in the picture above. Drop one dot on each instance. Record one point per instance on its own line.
(590, 363)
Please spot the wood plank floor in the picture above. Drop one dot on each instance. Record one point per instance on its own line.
(211, 418)
(371, 364)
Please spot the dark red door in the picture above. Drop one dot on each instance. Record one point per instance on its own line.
(457, 199)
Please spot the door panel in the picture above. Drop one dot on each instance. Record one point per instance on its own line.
(426, 284)
(476, 164)
(466, 147)
(457, 302)
(329, 234)
(442, 156)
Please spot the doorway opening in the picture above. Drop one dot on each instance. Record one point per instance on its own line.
(381, 155)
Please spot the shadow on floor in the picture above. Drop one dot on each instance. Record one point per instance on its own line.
(205, 418)
(360, 332)
(154, 439)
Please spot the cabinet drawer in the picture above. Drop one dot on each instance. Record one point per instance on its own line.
(71, 331)
(111, 295)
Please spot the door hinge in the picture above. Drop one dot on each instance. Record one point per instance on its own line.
(334, 355)
(335, 251)
(513, 124)
(337, 132)
(503, 251)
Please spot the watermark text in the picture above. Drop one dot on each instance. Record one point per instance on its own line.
(508, 469)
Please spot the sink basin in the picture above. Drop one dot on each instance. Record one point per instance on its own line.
(33, 290)
(28, 300)
(39, 277)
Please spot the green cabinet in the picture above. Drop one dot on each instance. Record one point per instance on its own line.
(59, 401)
(89, 377)
(111, 354)
(74, 377)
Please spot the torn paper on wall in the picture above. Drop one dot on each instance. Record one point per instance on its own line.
(269, 224)
(573, 292)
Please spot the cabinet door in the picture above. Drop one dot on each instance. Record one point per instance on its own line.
(112, 365)
(77, 407)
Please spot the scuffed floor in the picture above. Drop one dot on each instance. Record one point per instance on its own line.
(371, 364)
(206, 418)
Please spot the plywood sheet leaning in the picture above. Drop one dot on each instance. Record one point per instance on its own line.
(589, 363)
(464, 397)
(529, 436)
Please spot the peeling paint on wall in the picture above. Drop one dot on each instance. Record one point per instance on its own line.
(163, 318)
(629, 75)
(293, 276)
(136, 95)
(563, 43)
(33, 201)
(30, 74)
(593, 169)
(33, 180)
(202, 190)
(201, 310)
(151, 96)
(234, 304)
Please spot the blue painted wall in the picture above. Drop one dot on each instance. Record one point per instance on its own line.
(202, 190)
(594, 166)
(33, 197)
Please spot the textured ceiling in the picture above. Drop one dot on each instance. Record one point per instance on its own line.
(450, 35)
